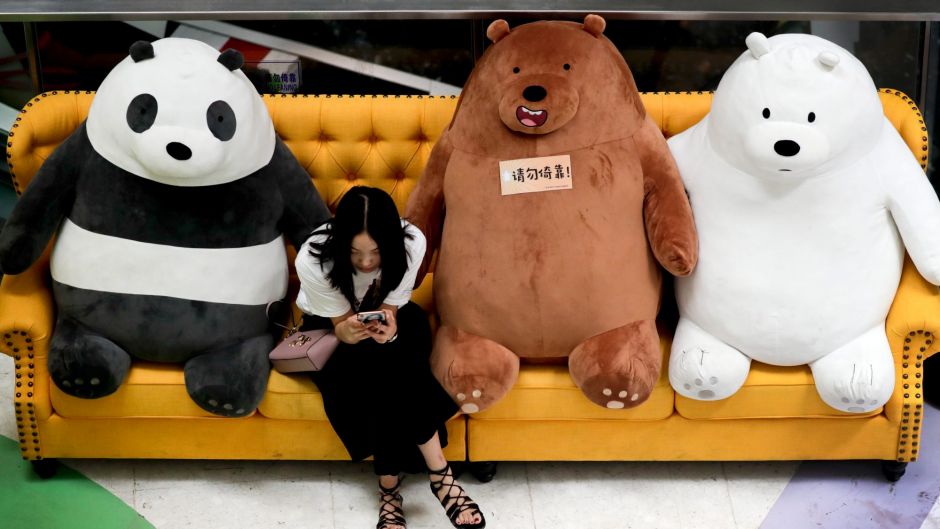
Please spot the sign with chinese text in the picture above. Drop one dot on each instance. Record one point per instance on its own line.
(275, 76)
(535, 175)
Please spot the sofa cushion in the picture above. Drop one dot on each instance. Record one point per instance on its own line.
(151, 390)
(546, 392)
(768, 391)
(292, 396)
(158, 390)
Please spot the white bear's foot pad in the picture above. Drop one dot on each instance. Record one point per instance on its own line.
(859, 376)
(860, 405)
(702, 387)
(856, 392)
(708, 373)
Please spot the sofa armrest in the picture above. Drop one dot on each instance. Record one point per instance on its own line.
(27, 311)
(914, 318)
(912, 326)
(27, 318)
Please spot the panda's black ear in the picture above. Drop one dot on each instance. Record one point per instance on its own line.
(231, 59)
(141, 51)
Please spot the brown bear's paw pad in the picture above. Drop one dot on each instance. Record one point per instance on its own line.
(476, 372)
(474, 393)
(621, 399)
(616, 392)
(469, 406)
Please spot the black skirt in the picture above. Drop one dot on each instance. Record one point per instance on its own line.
(382, 399)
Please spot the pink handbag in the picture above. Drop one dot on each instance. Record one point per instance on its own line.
(304, 350)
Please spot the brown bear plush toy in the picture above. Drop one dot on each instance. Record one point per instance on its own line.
(564, 272)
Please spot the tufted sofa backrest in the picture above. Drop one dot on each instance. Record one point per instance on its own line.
(380, 141)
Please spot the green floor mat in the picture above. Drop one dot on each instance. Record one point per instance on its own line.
(68, 500)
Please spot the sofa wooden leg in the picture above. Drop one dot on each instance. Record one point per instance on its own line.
(45, 468)
(484, 471)
(893, 470)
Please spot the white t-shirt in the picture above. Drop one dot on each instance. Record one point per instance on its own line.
(318, 297)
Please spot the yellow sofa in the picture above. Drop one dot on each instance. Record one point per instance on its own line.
(385, 141)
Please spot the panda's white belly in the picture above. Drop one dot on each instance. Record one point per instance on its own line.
(787, 277)
(253, 275)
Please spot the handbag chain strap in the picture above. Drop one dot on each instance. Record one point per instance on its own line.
(294, 324)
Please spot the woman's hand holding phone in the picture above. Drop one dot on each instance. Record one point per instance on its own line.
(351, 330)
(380, 329)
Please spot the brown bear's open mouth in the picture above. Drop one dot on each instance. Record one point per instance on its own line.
(531, 118)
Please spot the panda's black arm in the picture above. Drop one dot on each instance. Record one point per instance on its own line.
(304, 210)
(47, 199)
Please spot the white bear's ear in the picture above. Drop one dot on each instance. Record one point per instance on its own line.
(828, 59)
(497, 30)
(758, 44)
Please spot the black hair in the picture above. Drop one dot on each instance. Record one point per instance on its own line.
(369, 210)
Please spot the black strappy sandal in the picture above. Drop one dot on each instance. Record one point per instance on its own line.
(454, 506)
(389, 513)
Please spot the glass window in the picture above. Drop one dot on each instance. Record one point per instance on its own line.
(436, 56)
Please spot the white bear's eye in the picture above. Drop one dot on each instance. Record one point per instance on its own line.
(766, 113)
(811, 117)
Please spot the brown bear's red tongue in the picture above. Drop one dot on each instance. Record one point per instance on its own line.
(531, 118)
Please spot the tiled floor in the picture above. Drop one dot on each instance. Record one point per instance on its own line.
(324, 495)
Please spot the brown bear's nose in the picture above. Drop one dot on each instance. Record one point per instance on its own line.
(534, 93)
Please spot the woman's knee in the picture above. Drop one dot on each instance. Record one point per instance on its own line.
(413, 315)
(413, 326)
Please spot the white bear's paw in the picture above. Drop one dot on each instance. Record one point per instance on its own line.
(708, 374)
(856, 391)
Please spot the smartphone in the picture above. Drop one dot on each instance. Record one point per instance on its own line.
(372, 315)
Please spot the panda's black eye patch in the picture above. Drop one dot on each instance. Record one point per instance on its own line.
(141, 113)
(221, 120)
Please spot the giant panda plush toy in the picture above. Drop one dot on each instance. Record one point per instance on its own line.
(171, 202)
(805, 198)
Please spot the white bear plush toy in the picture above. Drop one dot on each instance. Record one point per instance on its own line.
(802, 193)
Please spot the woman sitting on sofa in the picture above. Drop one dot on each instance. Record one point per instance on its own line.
(378, 390)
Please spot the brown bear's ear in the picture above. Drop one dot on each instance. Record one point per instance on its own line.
(594, 25)
(497, 30)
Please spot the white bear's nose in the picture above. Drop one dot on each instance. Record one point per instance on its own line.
(787, 148)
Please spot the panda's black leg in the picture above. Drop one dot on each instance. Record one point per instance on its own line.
(84, 364)
(231, 380)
